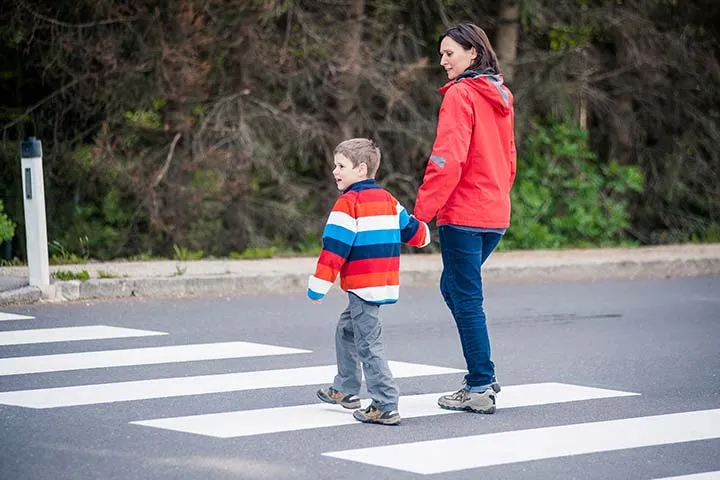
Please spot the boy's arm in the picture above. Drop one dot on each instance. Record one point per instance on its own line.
(338, 238)
(412, 231)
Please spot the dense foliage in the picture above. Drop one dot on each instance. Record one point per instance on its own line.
(208, 125)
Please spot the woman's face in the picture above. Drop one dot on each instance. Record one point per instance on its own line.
(454, 58)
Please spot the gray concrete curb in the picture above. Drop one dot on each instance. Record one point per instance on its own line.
(288, 275)
(21, 296)
(157, 287)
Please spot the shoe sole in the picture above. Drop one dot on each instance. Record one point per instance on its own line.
(379, 422)
(349, 406)
(486, 411)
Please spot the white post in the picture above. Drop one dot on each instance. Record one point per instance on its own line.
(35, 221)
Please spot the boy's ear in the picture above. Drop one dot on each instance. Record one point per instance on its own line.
(363, 169)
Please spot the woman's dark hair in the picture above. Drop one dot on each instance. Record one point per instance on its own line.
(469, 35)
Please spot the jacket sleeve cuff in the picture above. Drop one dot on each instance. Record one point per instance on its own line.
(317, 287)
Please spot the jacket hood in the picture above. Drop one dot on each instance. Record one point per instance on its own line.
(487, 83)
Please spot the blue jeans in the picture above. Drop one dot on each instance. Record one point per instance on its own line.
(463, 253)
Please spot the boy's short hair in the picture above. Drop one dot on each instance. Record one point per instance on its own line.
(361, 150)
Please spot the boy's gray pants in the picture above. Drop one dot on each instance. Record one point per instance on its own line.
(358, 341)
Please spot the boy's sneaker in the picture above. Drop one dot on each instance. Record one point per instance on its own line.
(330, 395)
(472, 402)
(372, 414)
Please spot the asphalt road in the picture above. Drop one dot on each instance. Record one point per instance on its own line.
(642, 351)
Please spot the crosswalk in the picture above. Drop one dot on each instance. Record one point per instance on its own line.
(541, 443)
(436, 456)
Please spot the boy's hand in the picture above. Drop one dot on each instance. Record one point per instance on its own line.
(317, 302)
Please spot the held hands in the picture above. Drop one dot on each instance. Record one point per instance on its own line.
(316, 302)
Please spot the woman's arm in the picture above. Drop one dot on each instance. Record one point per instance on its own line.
(449, 153)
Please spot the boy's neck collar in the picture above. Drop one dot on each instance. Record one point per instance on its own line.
(362, 185)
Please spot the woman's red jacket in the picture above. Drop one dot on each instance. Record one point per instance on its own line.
(472, 166)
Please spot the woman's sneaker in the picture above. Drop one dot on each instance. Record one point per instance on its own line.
(473, 402)
(330, 395)
(372, 414)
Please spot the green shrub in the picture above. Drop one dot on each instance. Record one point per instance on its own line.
(7, 227)
(185, 254)
(59, 255)
(563, 197)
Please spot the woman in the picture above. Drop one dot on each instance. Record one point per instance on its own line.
(467, 186)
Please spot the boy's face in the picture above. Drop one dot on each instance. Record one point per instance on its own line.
(345, 174)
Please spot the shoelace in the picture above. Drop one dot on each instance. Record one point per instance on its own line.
(461, 395)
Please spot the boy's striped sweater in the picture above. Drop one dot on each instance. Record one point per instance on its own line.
(361, 242)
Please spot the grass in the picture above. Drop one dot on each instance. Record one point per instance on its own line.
(66, 275)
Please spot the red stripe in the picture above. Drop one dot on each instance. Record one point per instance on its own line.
(369, 209)
(344, 204)
(331, 260)
(419, 237)
(359, 267)
(377, 279)
(326, 273)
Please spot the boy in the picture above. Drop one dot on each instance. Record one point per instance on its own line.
(361, 242)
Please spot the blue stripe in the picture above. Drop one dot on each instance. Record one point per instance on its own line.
(404, 218)
(410, 230)
(387, 301)
(336, 247)
(313, 295)
(375, 237)
(384, 302)
(368, 184)
(339, 233)
(384, 250)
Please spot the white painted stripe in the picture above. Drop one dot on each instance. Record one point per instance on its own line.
(70, 334)
(12, 316)
(199, 385)
(453, 454)
(272, 420)
(697, 476)
(139, 356)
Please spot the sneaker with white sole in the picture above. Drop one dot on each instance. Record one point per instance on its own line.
(330, 395)
(372, 414)
(472, 402)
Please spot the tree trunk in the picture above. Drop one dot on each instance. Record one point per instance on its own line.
(350, 68)
(506, 42)
(622, 123)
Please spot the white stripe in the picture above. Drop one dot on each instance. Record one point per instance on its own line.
(318, 284)
(378, 222)
(697, 476)
(11, 316)
(342, 219)
(139, 356)
(70, 334)
(377, 294)
(272, 420)
(427, 234)
(182, 386)
(453, 454)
